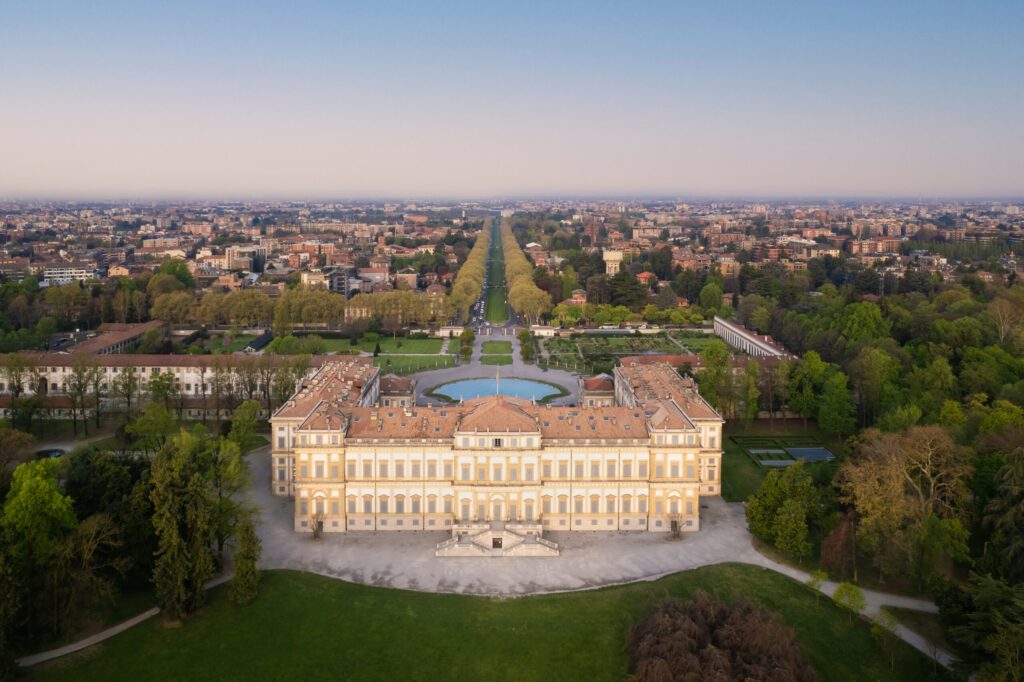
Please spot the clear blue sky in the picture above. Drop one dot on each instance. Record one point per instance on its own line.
(421, 99)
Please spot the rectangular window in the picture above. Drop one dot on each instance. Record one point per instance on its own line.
(431, 470)
(713, 441)
(350, 470)
(594, 506)
(513, 474)
(611, 469)
(447, 469)
(367, 470)
(448, 506)
(368, 506)
(579, 471)
(611, 506)
(399, 469)
(400, 505)
(496, 443)
(335, 507)
(562, 506)
(351, 506)
(416, 470)
(303, 508)
(711, 474)
(627, 469)
(643, 469)
(431, 506)
(465, 472)
(563, 470)
(280, 474)
(675, 471)
(303, 471)
(529, 472)
(546, 470)
(497, 473)
(481, 473)
(334, 471)
(415, 505)
(578, 505)
(689, 471)
(689, 506)
(383, 506)
(625, 505)
(595, 470)
(643, 506)
(280, 441)
(659, 471)
(383, 469)
(546, 506)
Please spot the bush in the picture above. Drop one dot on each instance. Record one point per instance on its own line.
(710, 639)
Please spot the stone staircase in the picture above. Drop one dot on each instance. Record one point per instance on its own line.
(496, 539)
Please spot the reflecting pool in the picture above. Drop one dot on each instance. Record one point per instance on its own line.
(514, 388)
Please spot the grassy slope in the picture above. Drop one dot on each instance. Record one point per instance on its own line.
(305, 626)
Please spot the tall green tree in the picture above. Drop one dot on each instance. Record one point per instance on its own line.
(835, 408)
(246, 580)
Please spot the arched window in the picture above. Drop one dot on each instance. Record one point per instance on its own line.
(384, 505)
(610, 504)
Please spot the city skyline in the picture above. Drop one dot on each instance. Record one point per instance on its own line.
(431, 101)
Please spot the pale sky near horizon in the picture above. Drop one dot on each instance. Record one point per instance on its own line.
(484, 99)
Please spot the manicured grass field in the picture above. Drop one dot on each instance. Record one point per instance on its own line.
(343, 346)
(304, 626)
(496, 304)
(403, 346)
(237, 344)
(495, 359)
(497, 347)
(405, 364)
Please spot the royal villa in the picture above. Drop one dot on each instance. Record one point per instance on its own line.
(357, 455)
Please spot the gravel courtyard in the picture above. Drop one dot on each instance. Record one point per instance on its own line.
(406, 560)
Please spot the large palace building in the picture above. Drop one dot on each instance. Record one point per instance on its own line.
(359, 456)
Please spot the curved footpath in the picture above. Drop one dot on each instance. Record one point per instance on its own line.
(588, 561)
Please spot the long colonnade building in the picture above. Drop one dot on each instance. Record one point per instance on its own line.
(352, 464)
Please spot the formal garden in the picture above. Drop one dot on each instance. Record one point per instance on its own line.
(378, 633)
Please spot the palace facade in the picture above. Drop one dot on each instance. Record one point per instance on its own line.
(353, 463)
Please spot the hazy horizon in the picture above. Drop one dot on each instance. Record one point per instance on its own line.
(748, 101)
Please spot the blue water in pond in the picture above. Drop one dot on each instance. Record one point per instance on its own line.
(514, 388)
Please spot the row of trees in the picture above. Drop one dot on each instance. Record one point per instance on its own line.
(523, 294)
(469, 281)
(225, 381)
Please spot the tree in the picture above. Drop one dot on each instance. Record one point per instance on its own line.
(794, 483)
(14, 445)
(749, 392)
(711, 296)
(804, 381)
(716, 381)
(179, 270)
(153, 427)
(163, 387)
(883, 631)
(36, 514)
(176, 307)
(245, 583)
(815, 581)
(835, 408)
(126, 386)
(243, 425)
(705, 638)
(849, 597)
(17, 371)
(181, 519)
(1004, 515)
(77, 388)
(227, 476)
(896, 482)
(790, 530)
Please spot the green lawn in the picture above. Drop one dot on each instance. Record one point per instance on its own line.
(923, 623)
(401, 346)
(495, 359)
(496, 304)
(342, 346)
(740, 475)
(306, 626)
(405, 364)
(218, 345)
(497, 347)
